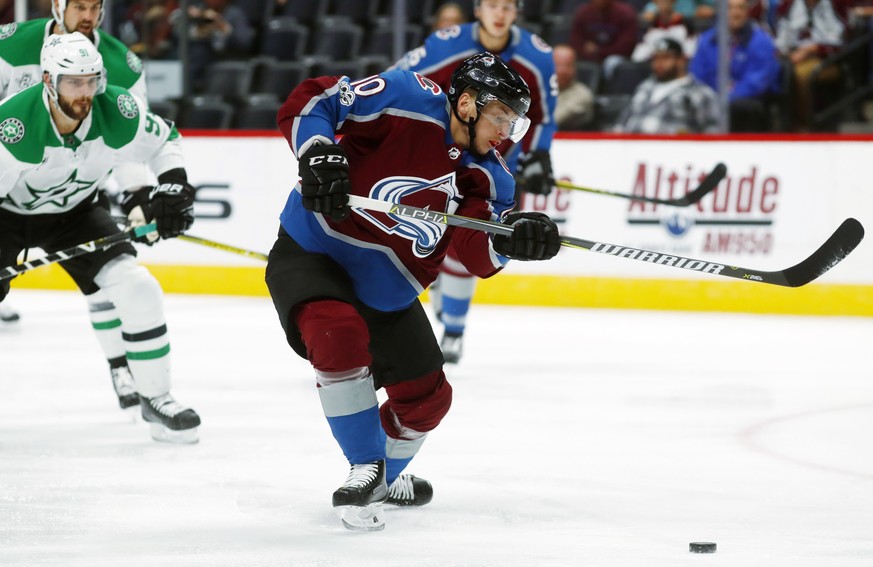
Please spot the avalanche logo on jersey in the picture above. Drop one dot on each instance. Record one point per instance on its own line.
(415, 192)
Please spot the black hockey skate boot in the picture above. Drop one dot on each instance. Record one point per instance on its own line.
(359, 499)
(170, 421)
(124, 386)
(409, 490)
(452, 346)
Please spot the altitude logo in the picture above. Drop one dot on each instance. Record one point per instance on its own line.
(735, 218)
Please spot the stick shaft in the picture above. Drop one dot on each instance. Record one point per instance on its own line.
(709, 183)
(10, 272)
(837, 247)
(222, 246)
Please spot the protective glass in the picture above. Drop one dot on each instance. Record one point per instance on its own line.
(506, 121)
(74, 86)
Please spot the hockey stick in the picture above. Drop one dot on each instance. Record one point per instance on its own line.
(78, 250)
(829, 254)
(221, 246)
(206, 242)
(708, 184)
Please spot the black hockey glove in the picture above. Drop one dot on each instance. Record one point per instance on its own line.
(4, 289)
(535, 173)
(534, 237)
(135, 206)
(324, 181)
(170, 205)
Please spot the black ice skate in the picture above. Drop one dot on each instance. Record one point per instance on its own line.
(124, 386)
(452, 346)
(409, 490)
(359, 499)
(170, 421)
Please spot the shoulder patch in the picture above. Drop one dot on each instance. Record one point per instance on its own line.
(127, 106)
(11, 130)
(134, 62)
(346, 94)
(540, 44)
(7, 30)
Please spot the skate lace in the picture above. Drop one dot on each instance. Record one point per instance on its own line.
(166, 405)
(402, 488)
(362, 475)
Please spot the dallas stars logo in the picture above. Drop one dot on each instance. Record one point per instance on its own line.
(133, 62)
(127, 106)
(58, 195)
(7, 30)
(11, 130)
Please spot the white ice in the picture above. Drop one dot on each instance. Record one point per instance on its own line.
(577, 437)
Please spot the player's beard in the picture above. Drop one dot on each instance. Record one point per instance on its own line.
(77, 109)
(86, 29)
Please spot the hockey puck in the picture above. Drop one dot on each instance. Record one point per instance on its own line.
(701, 547)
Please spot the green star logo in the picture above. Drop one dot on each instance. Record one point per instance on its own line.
(11, 130)
(127, 106)
(7, 30)
(134, 62)
(58, 195)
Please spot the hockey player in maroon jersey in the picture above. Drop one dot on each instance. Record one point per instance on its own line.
(345, 282)
(494, 31)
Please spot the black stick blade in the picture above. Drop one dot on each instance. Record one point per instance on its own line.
(708, 184)
(829, 254)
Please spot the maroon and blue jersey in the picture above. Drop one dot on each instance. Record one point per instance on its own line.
(445, 49)
(394, 128)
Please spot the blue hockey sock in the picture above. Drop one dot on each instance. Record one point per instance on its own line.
(352, 412)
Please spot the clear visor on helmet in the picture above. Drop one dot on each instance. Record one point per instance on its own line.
(508, 123)
(75, 86)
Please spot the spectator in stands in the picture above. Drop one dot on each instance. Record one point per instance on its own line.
(604, 31)
(688, 9)
(575, 107)
(665, 21)
(809, 31)
(448, 15)
(754, 68)
(7, 11)
(148, 28)
(217, 30)
(671, 101)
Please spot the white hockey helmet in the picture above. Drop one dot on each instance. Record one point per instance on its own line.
(59, 10)
(70, 54)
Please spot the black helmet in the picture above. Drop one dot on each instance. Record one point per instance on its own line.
(493, 79)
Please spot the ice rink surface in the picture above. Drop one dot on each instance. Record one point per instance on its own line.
(577, 437)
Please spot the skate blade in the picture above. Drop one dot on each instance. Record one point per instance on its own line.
(362, 518)
(166, 435)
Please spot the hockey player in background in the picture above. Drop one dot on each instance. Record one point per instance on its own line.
(20, 45)
(345, 282)
(531, 57)
(59, 141)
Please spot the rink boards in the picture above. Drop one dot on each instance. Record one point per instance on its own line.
(781, 199)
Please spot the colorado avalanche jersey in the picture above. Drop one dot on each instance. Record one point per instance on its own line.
(445, 49)
(396, 135)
